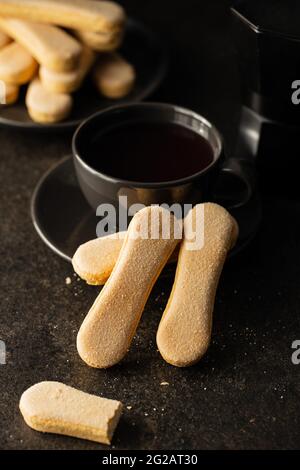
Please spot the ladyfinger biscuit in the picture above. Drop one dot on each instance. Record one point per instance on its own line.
(94, 260)
(4, 39)
(46, 107)
(114, 77)
(101, 42)
(184, 332)
(17, 66)
(107, 331)
(57, 408)
(87, 15)
(9, 93)
(68, 82)
(49, 45)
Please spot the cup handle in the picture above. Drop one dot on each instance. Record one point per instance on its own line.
(235, 183)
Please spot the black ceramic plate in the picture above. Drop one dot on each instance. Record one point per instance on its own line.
(141, 47)
(64, 220)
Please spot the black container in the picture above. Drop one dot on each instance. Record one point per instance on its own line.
(267, 40)
(267, 37)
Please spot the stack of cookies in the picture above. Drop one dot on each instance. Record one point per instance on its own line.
(52, 45)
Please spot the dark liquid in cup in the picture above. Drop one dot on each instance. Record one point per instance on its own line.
(149, 152)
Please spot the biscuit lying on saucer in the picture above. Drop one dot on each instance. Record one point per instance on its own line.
(114, 77)
(101, 42)
(17, 66)
(53, 407)
(90, 15)
(184, 332)
(46, 107)
(68, 82)
(9, 93)
(49, 45)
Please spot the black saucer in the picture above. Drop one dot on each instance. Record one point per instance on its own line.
(64, 220)
(141, 47)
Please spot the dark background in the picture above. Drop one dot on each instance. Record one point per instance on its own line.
(244, 394)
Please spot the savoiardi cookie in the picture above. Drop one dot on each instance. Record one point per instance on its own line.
(184, 332)
(113, 76)
(47, 107)
(17, 66)
(94, 260)
(53, 407)
(50, 46)
(68, 82)
(107, 331)
(90, 15)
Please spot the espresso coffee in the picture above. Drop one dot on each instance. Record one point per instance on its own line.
(149, 152)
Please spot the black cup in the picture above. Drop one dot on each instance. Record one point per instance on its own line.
(226, 181)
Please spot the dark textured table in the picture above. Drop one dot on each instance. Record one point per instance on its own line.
(245, 392)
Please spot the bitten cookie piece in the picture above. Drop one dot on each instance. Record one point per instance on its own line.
(184, 332)
(17, 66)
(114, 77)
(107, 331)
(46, 107)
(49, 45)
(57, 408)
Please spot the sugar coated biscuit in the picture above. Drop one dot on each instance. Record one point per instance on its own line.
(87, 15)
(53, 407)
(49, 45)
(184, 332)
(46, 107)
(4, 39)
(17, 66)
(101, 42)
(94, 260)
(9, 93)
(68, 82)
(106, 333)
(114, 77)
